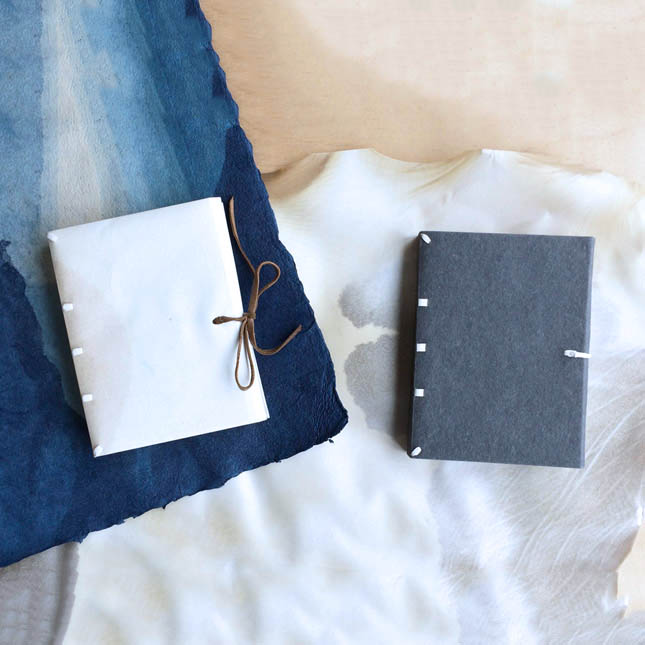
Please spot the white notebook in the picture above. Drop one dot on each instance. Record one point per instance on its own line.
(139, 294)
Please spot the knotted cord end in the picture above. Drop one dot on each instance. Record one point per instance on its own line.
(246, 338)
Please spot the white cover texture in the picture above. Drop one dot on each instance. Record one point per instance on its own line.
(139, 294)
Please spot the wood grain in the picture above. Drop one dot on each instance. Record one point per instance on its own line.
(425, 81)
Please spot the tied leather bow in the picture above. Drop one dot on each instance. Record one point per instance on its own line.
(246, 337)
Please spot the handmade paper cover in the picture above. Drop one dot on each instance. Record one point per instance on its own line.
(495, 315)
(113, 108)
(138, 295)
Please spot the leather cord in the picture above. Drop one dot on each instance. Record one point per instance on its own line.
(246, 337)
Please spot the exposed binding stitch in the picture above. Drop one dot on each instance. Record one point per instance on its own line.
(572, 353)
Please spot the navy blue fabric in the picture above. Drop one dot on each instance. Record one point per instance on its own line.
(51, 488)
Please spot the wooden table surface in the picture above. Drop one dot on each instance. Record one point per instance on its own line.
(425, 81)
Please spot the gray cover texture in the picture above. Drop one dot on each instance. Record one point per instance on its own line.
(501, 311)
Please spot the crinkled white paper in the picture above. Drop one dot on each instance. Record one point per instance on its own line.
(357, 543)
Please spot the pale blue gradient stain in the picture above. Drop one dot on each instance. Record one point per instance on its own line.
(141, 110)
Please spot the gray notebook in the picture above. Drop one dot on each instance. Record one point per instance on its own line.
(502, 342)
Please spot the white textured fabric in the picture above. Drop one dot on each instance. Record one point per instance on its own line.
(139, 294)
(357, 543)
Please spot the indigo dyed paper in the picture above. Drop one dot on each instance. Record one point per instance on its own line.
(106, 109)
